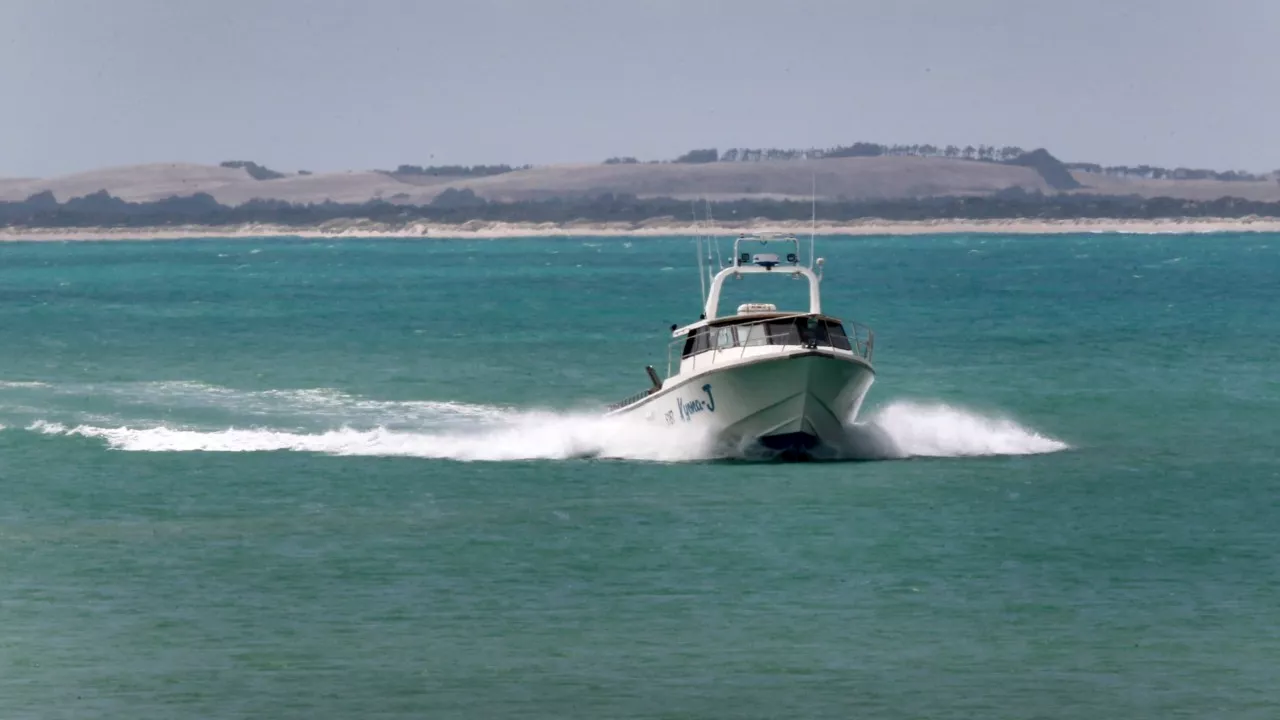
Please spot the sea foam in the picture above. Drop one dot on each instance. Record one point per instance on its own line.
(473, 432)
(906, 429)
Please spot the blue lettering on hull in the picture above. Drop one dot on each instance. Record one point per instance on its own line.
(688, 408)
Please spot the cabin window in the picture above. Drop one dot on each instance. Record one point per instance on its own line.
(725, 337)
(812, 331)
(819, 332)
(697, 341)
(784, 332)
(839, 340)
(753, 335)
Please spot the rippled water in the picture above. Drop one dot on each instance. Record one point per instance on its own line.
(273, 478)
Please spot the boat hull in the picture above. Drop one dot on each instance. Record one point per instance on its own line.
(794, 406)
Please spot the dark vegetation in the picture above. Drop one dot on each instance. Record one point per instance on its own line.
(458, 206)
(256, 171)
(988, 153)
(1055, 174)
(1158, 173)
(984, 153)
(458, 171)
(708, 155)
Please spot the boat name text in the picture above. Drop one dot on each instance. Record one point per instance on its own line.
(688, 408)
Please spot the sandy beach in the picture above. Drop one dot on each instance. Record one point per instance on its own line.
(489, 230)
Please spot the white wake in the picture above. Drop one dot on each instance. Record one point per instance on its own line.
(907, 429)
(521, 436)
(468, 432)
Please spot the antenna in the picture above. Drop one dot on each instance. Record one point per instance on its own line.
(719, 260)
(813, 210)
(697, 239)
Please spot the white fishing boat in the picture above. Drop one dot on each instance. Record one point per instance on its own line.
(784, 382)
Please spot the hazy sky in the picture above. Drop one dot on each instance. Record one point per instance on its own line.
(329, 84)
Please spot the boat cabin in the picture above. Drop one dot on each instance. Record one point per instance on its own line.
(758, 325)
(755, 329)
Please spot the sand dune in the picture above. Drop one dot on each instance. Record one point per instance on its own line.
(14, 184)
(853, 178)
(1260, 190)
(134, 183)
(486, 230)
(347, 187)
(844, 178)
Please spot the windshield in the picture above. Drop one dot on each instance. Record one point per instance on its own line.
(811, 331)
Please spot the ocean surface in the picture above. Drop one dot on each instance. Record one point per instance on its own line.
(367, 479)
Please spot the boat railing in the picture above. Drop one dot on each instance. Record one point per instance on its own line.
(863, 339)
(633, 399)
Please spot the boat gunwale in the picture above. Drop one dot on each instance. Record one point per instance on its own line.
(801, 352)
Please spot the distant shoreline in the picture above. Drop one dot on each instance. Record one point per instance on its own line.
(492, 230)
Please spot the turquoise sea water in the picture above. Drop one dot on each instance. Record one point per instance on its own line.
(339, 479)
